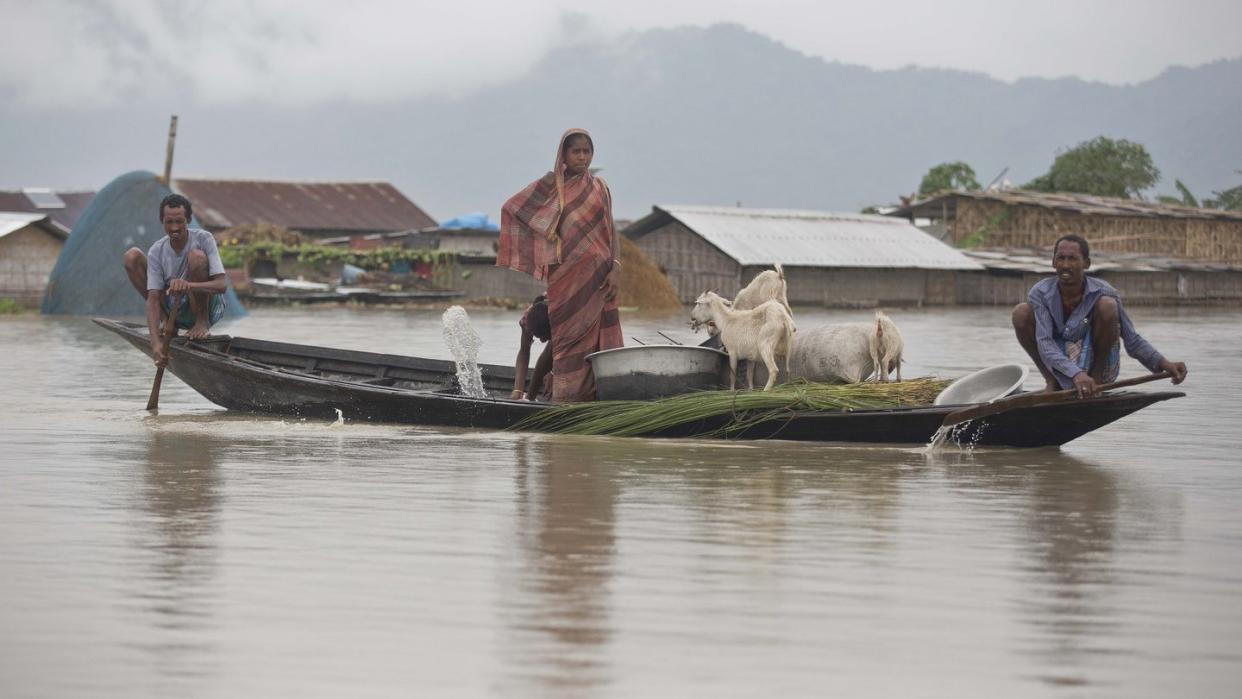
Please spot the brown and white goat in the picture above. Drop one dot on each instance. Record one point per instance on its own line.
(758, 334)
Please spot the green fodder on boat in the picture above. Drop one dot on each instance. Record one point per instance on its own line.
(626, 418)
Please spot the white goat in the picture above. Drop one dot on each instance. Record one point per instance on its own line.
(886, 347)
(847, 352)
(768, 285)
(836, 353)
(762, 333)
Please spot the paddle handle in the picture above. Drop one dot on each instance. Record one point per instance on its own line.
(170, 327)
(1027, 400)
(1070, 392)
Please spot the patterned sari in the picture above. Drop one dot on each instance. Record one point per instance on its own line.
(561, 230)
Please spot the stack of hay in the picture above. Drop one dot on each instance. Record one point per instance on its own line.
(643, 285)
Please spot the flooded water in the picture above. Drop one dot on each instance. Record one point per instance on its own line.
(204, 553)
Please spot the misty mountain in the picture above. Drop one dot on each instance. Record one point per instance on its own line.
(719, 115)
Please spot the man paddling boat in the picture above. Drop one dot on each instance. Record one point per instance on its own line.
(184, 262)
(1073, 326)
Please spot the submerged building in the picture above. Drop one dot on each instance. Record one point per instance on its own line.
(63, 207)
(1024, 220)
(315, 209)
(829, 259)
(1155, 254)
(29, 246)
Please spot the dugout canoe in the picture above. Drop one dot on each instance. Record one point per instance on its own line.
(308, 381)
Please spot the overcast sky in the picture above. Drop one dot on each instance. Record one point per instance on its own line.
(91, 53)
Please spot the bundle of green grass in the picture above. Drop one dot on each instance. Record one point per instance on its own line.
(627, 418)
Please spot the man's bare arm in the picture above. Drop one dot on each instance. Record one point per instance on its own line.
(155, 302)
(215, 285)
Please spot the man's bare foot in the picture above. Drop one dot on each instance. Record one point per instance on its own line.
(199, 331)
(1051, 386)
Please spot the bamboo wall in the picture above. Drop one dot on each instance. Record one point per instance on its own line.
(27, 257)
(863, 287)
(1164, 288)
(486, 280)
(1003, 225)
(691, 264)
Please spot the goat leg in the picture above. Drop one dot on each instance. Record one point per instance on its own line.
(770, 362)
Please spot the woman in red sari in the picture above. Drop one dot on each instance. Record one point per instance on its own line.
(559, 228)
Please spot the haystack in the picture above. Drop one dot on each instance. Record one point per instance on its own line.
(643, 285)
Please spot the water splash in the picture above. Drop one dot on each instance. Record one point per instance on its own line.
(464, 343)
(959, 434)
(938, 440)
(340, 418)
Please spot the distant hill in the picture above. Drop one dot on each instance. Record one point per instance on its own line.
(715, 115)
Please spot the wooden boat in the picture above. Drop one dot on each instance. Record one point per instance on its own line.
(261, 376)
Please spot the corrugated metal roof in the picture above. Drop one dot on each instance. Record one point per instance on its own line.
(12, 221)
(304, 206)
(1086, 204)
(814, 238)
(1040, 261)
(75, 204)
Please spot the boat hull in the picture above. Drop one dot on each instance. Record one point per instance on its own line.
(314, 382)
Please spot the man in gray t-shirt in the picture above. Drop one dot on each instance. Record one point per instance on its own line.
(185, 262)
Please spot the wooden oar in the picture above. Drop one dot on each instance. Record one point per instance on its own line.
(1027, 400)
(170, 327)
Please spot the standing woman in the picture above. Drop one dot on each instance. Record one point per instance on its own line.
(559, 228)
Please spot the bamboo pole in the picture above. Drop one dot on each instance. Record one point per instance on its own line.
(168, 157)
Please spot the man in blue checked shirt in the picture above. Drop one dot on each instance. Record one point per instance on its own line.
(1073, 325)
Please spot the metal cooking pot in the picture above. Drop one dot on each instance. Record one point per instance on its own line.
(653, 371)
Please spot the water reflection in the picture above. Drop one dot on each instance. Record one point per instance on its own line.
(178, 508)
(763, 516)
(565, 529)
(1068, 515)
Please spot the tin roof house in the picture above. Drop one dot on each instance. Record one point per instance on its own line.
(829, 259)
(60, 206)
(316, 209)
(29, 246)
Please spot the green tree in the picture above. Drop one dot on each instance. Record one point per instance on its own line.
(1229, 200)
(1187, 199)
(1103, 166)
(954, 175)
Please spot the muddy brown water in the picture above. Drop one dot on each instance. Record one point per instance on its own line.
(199, 552)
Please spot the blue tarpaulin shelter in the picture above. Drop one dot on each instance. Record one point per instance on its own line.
(477, 221)
(89, 277)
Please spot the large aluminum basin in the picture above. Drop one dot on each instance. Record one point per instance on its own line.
(984, 386)
(653, 371)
